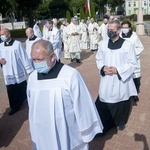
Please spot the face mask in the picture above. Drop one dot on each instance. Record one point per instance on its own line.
(3, 38)
(111, 34)
(125, 30)
(42, 67)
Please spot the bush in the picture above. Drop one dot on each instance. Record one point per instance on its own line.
(18, 33)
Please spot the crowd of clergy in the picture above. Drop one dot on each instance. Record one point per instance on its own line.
(69, 110)
(73, 37)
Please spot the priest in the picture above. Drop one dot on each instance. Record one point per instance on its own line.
(116, 62)
(62, 115)
(16, 67)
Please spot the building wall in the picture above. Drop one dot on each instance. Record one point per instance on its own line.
(131, 7)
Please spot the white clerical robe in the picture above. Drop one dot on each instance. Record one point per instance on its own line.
(103, 31)
(55, 38)
(84, 36)
(62, 114)
(17, 63)
(37, 31)
(93, 35)
(74, 45)
(66, 42)
(113, 90)
(29, 44)
(138, 46)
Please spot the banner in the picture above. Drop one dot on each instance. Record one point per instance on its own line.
(87, 7)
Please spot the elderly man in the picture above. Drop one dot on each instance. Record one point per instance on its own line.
(29, 42)
(74, 38)
(116, 62)
(16, 66)
(62, 114)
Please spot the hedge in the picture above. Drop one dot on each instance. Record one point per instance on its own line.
(18, 33)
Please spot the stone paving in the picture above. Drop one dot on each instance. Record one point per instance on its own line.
(14, 132)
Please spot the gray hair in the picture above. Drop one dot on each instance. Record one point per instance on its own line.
(118, 25)
(7, 30)
(45, 44)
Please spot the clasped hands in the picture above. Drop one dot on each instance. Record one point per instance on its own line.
(75, 33)
(110, 70)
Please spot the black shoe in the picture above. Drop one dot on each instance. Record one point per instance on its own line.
(136, 98)
(78, 60)
(13, 111)
(72, 60)
(121, 127)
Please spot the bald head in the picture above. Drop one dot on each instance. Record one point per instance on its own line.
(29, 33)
(42, 50)
(42, 45)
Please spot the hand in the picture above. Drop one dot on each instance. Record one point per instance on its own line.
(110, 70)
(2, 61)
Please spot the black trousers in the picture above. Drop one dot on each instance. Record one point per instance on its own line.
(16, 94)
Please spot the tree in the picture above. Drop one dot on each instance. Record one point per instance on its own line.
(74, 11)
(82, 13)
(58, 8)
(93, 11)
(42, 12)
(68, 16)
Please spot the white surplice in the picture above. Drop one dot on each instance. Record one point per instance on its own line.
(93, 35)
(37, 31)
(55, 38)
(17, 63)
(66, 42)
(138, 46)
(62, 113)
(84, 36)
(113, 90)
(29, 44)
(103, 31)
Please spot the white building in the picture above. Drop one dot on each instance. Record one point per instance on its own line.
(131, 7)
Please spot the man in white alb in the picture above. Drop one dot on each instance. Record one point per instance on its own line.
(29, 42)
(62, 115)
(116, 62)
(16, 67)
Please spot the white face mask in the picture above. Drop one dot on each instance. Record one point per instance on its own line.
(42, 67)
(3, 38)
(125, 30)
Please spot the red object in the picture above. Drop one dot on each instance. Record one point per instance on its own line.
(86, 6)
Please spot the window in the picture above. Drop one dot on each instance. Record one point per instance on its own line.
(129, 4)
(144, 3)
(134, 4)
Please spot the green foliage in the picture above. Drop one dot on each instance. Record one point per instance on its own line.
(81, 13)
(68, 16)
(93, 11)
(18, 33)
(74, 11)
(42, 12)
(58, 8)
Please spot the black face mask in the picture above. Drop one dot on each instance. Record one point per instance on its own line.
(111, 34)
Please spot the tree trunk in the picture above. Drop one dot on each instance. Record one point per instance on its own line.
(30, 16)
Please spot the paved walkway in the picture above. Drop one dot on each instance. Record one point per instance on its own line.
(14, 132)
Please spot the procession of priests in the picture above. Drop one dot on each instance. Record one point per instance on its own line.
(62, 112)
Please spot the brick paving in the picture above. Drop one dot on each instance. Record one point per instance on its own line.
(14, 132)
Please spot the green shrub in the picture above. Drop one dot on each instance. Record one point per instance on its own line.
(18, 33)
